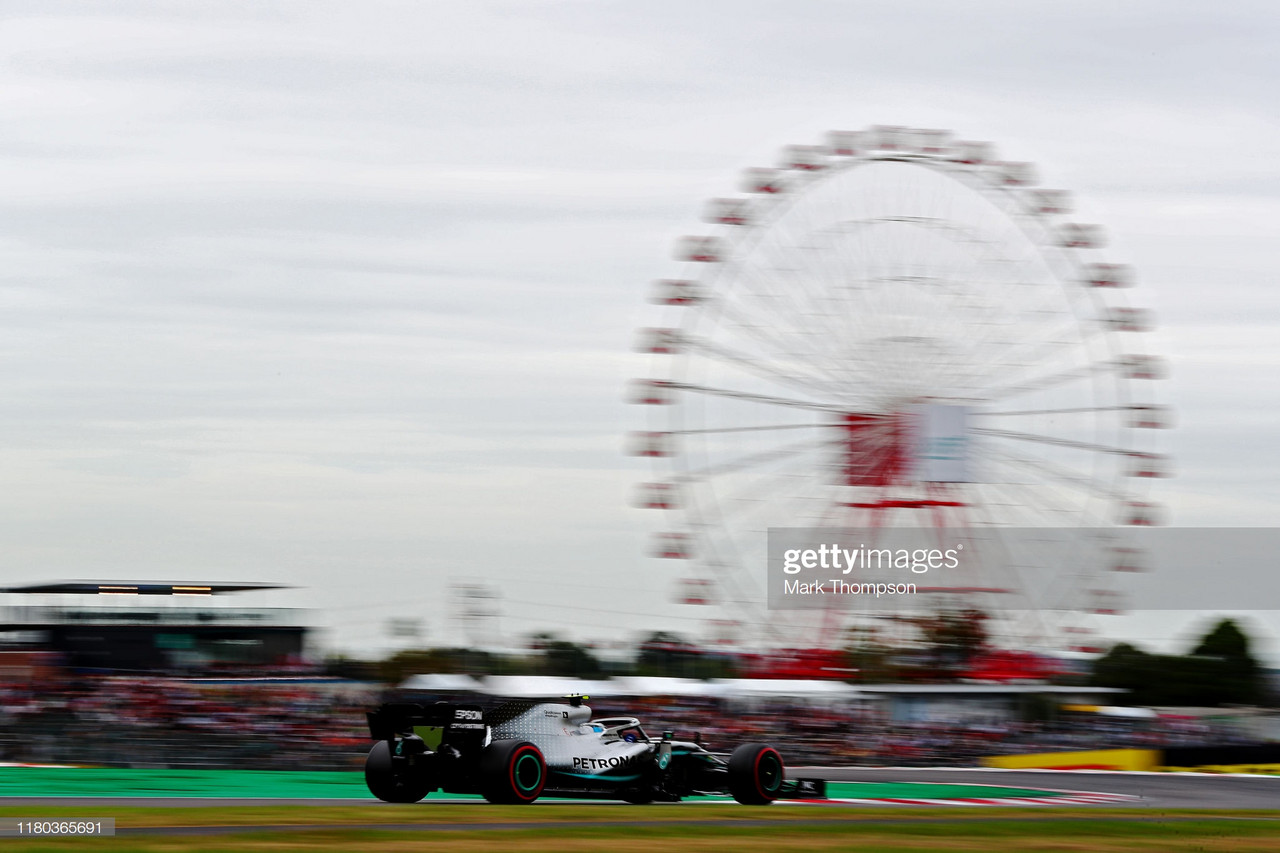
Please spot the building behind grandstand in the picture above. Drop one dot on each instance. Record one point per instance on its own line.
(180, 627)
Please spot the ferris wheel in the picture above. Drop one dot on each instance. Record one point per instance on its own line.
(897, 329)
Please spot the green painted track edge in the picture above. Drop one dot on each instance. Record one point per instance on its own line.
(298, 784)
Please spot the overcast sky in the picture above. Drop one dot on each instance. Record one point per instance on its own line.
(343, 295)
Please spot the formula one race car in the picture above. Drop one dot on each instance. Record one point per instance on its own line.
(523, 749)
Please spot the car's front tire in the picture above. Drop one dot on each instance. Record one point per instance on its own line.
(389, 786)
(755, 774)
(512, 771)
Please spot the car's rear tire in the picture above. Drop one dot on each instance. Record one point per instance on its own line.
(756, 772)
(512, 771)
(389, 786)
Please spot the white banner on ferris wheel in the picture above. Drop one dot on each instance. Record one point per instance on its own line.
(941, 446)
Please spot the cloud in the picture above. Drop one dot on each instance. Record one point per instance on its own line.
(320, 290)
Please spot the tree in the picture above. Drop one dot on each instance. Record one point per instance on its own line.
(954, 638)
(663, 653)
(1124, 666)
(564, 658)
(409, 662)
(1219, 670)
(868, 655)
(1226, 640)
(1237, 678)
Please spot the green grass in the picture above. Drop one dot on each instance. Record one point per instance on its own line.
(288, 784)
(632, 829)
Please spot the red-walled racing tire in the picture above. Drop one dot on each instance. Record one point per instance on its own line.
(756, 772)
(512, 771)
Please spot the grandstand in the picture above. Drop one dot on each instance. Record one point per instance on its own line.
(117, 626)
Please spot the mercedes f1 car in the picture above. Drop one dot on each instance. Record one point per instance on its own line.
(523, 750)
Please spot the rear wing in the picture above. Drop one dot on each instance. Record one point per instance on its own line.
(388, 721)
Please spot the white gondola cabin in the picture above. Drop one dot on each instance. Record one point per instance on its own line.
(1015, 173)
(702, 250)
(1141, 366)
(1080, 235)
(695, 591)
(671, 291)
(1050, 202)
(1150, 416)
(1128, 560)
(1141, 514)
(658, 496)
(803, 158)
(889, 137)
(847, 143)
(651, 392)
(729, 211)
(1108, 275)
(1106, 602)
(973, 153)
(1149, 465)
(651, 444)
(1124, 319)
(673, 546)
(930, 142)
(767, 181)
(659, 341)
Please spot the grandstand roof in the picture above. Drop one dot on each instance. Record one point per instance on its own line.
(116, 587)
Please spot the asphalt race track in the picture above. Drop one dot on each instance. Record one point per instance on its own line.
(1156, 790)
(1160, 793)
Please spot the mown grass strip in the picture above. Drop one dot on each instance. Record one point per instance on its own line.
(1003, 829)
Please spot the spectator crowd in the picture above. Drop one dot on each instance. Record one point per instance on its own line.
(132, 721)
